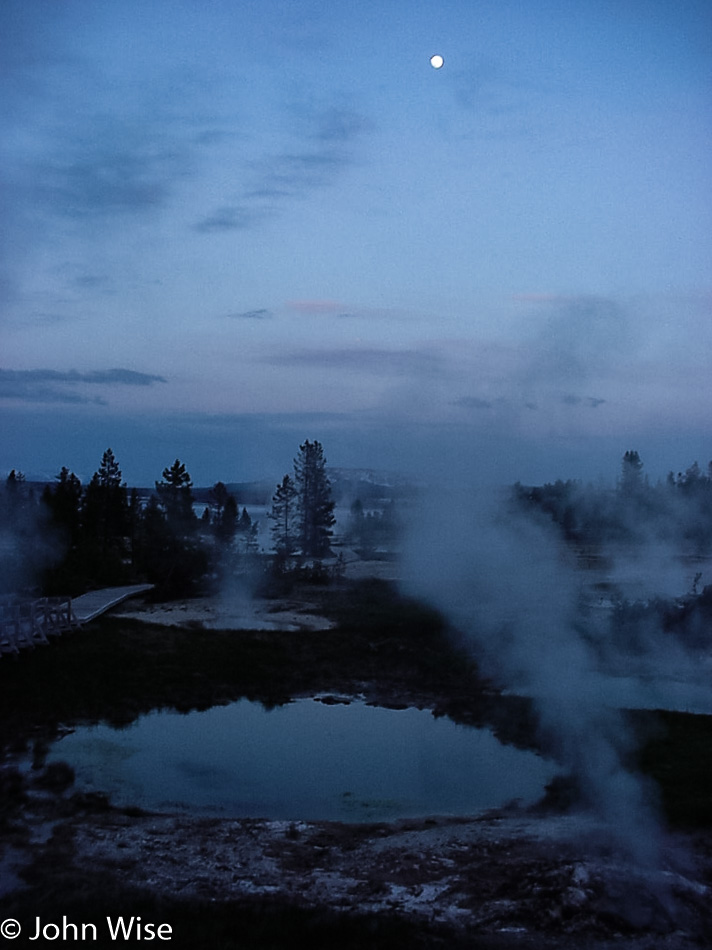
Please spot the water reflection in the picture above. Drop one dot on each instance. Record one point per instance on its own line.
(305, 760)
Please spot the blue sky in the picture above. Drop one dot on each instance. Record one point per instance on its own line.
(231, 226)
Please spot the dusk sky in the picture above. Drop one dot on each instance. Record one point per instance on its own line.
(230, 226)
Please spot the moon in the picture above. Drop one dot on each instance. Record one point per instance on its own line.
(436, 61)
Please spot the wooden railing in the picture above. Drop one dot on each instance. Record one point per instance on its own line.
(27, 623)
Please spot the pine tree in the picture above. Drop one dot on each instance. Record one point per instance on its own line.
(64, 503)
(175, 494)
(105, 505)
(631, 481)
(284, 518)
(226, 526)
(314, 503)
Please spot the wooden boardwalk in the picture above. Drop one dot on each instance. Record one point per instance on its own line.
(29, 623)
(92, 605)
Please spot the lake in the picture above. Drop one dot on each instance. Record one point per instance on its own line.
(306, 760)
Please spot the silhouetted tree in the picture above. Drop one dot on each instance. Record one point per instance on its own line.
(284, 518)
(175, 495)
(105, 524)
(15, 482)
(218, 497)
(154, 543)
(314, 501)
(631, 481)
(63, 500)
(247, 531)
(174, 561)
(226, 526)
(224, 515)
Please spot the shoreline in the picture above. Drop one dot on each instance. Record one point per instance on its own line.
(520, 878)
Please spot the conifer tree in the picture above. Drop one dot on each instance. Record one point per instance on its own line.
(314, 502)
(105, 505)
(284, 518)
(64, 502)
(175, 494)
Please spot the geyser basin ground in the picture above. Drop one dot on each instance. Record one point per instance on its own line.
(304, 760)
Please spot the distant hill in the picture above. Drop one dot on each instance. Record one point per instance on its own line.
(348, 484)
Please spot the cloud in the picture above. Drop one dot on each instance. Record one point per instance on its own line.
(48, 385)
(501, 103)
(107, 182)
(86, 145)
(124, 162)
(230, 218)
(261, 314)
(472, 402)
(292, 175)
(123, 377)
(541, 297)
(340, 125)
(126, 377)
(316, 306)
(365, 359)
(571, 399)
(325, 140)
(42, 393)
(326, 307)
(581, 338)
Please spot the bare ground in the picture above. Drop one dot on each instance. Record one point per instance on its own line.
(222, 612)
(526, 880)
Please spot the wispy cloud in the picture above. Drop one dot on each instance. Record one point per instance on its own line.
(316, 306)
(124, 377)
(504, 101)
(418, 363)
(573, 344)
(106, 182)
(324, 139)
(339, 125)
(473, 402)
(591, 402)
(39, 392)
(290, 176)
(231, 218)
(262, 314)
(48, 385)
(543, 297)
(116, 164)
(579, 339)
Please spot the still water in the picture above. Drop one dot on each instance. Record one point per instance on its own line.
(304, 760)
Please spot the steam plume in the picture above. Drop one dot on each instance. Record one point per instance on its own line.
(505, 580)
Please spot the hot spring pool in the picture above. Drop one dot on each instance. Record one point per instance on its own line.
(306, 760)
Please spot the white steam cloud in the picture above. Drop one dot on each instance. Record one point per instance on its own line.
(507, 583)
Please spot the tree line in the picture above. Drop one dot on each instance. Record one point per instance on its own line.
(302, 511)
(676, 512)
(77, 537)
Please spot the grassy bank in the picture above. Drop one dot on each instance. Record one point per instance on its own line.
(117, 668)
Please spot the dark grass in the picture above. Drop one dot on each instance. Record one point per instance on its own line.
(117, 668)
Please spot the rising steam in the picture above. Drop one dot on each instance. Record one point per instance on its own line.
(507, 582)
